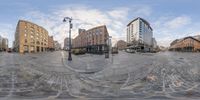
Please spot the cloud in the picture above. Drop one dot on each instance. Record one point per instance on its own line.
(118, 13)
(169, 28)
(178, 22)
(7, 31)
(142, 10)
(83, 17)
(166, 28)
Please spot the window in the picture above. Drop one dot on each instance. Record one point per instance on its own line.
(25, 41)
(32, 41)
(25, 48)
(38, 42)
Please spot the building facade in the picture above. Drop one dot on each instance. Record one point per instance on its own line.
(66, 44)
(140, 34)
(121, 45)
(57, 45)
(51, 46)
(94, 40)
(4, 44)
(154, 43)
(30, 37)
(187, 44)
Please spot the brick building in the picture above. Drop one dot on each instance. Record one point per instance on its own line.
(187, 44)
(121, 45)
(93, 40)
(51, 45)
(30, 37)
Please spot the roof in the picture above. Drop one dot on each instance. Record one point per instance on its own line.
(96, 27)
(32, 23)
(197, 37)
(191, 38)
(140, 19)
(179, 40)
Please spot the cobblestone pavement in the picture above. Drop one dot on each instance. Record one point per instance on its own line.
(49, 76)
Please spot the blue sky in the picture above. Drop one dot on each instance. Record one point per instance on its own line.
(169, 19)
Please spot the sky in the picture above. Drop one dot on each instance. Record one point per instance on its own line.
(170, 19)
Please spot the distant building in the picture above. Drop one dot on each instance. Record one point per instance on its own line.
(66, 44)
(162, 48)
(187, 44)
(51, 46)
(154, 43)
(197, 37)
(174, 42)
(30, 37)
(94, 40)
(140, 35)
(57, 45)
(121, 45)
(3, 44)
(13, 45)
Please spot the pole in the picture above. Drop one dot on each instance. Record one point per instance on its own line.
(107, 48)
(70, 26)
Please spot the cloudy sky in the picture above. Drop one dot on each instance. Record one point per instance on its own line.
(169, 19)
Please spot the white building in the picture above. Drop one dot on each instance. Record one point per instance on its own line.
(57, 45)
(140, 32)
(154, 43)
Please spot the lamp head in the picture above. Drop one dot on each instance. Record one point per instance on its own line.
(64, 20)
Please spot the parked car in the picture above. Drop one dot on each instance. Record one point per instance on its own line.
(9, 50)
(78, 51)
(130, 51)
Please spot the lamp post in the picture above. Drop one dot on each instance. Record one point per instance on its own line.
(108, 47)
(70, 45)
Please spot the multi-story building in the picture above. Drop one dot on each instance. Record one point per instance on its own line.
(57, 45)
(154, 43)
(121, 45)
(50, 43)
(66, 44)
(4, 44)
(30, 37)
(187, 44)
(94, 40)
(140, 34)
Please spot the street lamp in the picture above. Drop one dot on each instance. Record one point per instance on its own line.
(70, 45)
(108, 46)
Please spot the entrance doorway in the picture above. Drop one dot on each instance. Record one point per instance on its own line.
(38, 49)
